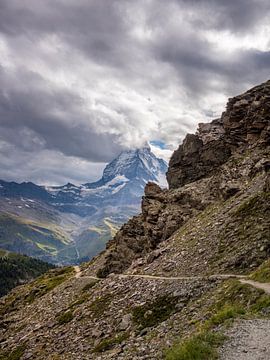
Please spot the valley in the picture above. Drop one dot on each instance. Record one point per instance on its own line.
(70, 224)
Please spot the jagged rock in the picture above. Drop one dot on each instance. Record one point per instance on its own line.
(153, 255)
(267, 184)
(125, 322)
(246, 120)
(208, 132)
(194, 160)
(244, 123)
(229, 189)
(152, 190)
(162, 214)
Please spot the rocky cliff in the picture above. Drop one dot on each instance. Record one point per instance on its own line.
(164, 287)
(215, 163)
(244, 124)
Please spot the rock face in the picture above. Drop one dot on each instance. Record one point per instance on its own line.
(162, 214)
(244, 124)
(195, 159)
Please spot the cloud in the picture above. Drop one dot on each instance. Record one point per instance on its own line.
(82, 81)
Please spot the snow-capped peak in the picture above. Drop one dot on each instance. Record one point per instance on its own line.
(139, 163)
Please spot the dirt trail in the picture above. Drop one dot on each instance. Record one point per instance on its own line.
(258, 285)
(242, 278)
(79, 274)
(248, 340)
(156, 277)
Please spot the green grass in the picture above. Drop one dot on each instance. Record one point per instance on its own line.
(261, 306)
(237, 300)
(202, 346)
(153, 313)
(228, 312)
(16, 268)
(99, 306)
(108, 344)
(65, 318)
(48, 282)
(238, 295)
(89, 285)
(231, 300)
(3, 253)
(15, 354)
(262, 274)
(27, 294)
(42, 240)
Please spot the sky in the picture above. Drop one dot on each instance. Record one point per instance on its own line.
(83, 80)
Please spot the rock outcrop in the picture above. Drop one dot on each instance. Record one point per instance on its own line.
(245, 123)
(162, 214)
(197, 176)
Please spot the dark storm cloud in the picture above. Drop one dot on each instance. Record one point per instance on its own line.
(55, 117)
(82, 80)
(197, 62)
(97, 28)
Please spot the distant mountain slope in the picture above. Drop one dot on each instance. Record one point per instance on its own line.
(70, 223)
(17, 269)
(122, 183)
(45, 241)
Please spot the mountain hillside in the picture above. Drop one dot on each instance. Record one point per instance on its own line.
(18, 269)
(187, 278)
(68, 224)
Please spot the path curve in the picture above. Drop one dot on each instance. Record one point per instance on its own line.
(79, 274)
(258, 285)
(78, 271)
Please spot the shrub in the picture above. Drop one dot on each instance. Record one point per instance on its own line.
(99, 305)
(108, 344)
(15, 354)
(262, 274)
(226, 313)
(153, 313)
(202, 346)
(65, 317)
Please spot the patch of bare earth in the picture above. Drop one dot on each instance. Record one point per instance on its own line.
(247, 340)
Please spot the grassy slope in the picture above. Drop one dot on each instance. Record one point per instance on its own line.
(93, 240)
(44, 241)
(228, 302)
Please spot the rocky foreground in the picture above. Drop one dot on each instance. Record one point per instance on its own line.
(159, 290)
